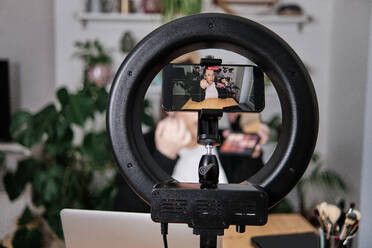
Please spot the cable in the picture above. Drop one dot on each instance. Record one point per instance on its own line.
(164, 232)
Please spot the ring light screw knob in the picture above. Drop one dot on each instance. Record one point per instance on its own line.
(240, 228)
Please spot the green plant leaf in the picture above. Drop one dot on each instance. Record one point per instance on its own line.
(12, 188)
(315, 157)
(51, 190)
(329, 179)
(26, 217)
(33, 127)
(47, 184)
(26, 170)
(147, 119)
(19, 119)
(101, 101)
(275, 125)
(53, 218)
(28, 138)
(38, 188)
(92, 53)
(105, 198)
(95, 147)
(44, 120)
(15, 183)
(79, 109)
(61, 142)
(172, 8)
(25, 238)
(63, 97)
(314, 173)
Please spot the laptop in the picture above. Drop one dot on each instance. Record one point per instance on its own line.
(97, 229)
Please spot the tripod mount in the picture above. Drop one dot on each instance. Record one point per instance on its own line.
(209, 207)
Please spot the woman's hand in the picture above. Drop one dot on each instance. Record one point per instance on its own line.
(263, 132)
(203, 84)
(232, 117)
(171, 135)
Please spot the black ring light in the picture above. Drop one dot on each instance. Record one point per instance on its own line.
(257, 43)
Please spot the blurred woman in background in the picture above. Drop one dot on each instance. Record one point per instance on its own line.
(173, 145)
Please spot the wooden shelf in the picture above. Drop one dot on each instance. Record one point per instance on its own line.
(280, 19)
(84, 18)
(117, 17)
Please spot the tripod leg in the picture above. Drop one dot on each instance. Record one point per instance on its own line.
(208, 240)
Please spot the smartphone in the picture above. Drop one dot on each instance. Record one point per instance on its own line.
(231, 88)
(238, 143)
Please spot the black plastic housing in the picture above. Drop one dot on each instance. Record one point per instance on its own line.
(263, 47)
(228, 204)
(208, 126)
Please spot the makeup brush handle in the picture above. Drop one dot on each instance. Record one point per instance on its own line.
(329, 227)
(343, 232)
(321, 223)
(353, 229)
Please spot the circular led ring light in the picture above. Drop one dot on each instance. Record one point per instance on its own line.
(284, 68)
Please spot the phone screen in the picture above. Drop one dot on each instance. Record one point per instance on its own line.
(240, 143)
(232, 88)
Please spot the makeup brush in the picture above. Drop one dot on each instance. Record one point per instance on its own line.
(322, 208)
(341, 220)
(329, 228)
(354, 228)
(358, 214)
(317, 215)
(351, 234)
(333, 213)
(350, 220)
(352, 206)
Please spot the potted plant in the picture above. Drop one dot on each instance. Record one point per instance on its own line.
(68, 172)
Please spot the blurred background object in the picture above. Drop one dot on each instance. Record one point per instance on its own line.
(289, 9)
(257, 6)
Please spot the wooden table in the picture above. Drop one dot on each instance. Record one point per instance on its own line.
(277, 224)
(210, 103)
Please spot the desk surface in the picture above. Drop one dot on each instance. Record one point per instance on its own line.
(277, 224)
(210, 103)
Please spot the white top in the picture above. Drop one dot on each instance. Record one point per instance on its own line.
(186, 169)
(211, 91)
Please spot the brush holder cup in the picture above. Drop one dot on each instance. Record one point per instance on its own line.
(334, 242)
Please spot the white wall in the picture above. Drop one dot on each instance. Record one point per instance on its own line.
(348, 76)
(68, 30)
(311, 44)
(365, 238)
(26, 39)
